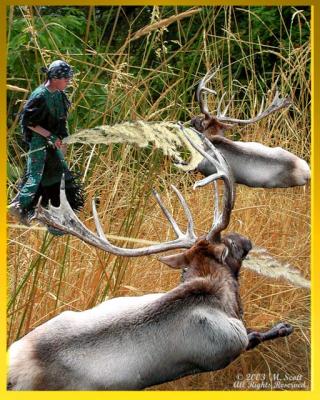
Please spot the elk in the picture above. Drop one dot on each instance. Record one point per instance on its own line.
(253, 164)
(131, 343)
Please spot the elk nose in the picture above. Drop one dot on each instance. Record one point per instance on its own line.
(247, 246)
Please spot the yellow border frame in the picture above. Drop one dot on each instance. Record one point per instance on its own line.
(315, 214)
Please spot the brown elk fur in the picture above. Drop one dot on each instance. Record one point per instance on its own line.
(212, 269)
(211, 127)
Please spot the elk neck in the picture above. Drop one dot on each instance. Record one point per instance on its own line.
(205, 273)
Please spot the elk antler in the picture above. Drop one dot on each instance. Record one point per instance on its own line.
(221, 219)
(64, 218)
(201, 89)
(276, 104)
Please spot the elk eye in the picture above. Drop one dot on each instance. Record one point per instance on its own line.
(185, 269)
(233, 247)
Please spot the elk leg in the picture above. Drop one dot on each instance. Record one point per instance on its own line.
(279, 330)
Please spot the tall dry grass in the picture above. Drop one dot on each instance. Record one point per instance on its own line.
(47, 275)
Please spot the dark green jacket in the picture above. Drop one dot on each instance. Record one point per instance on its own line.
(47, 109)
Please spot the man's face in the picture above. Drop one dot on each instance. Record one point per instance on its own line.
(60, 84)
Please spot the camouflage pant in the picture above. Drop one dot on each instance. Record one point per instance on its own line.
(36, 164)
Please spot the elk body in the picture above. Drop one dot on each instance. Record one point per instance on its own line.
(259, 166)
(132, 343)
(252, 164)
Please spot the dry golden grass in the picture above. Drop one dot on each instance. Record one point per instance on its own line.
(72, 275)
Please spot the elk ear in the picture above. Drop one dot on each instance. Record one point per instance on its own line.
(221, 252)
(224, 254)
(174, 260)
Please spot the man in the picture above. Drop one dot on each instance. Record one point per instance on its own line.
(44, 125)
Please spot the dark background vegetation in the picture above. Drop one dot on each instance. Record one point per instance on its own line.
(104, 30)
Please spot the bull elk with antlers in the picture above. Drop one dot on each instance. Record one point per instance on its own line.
(253, 164)
(131, 343)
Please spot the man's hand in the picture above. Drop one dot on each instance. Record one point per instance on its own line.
(54, 142)
(61, 146)
(58, 143)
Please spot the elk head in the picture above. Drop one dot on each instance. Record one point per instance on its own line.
(212, 125)
(205, 257)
